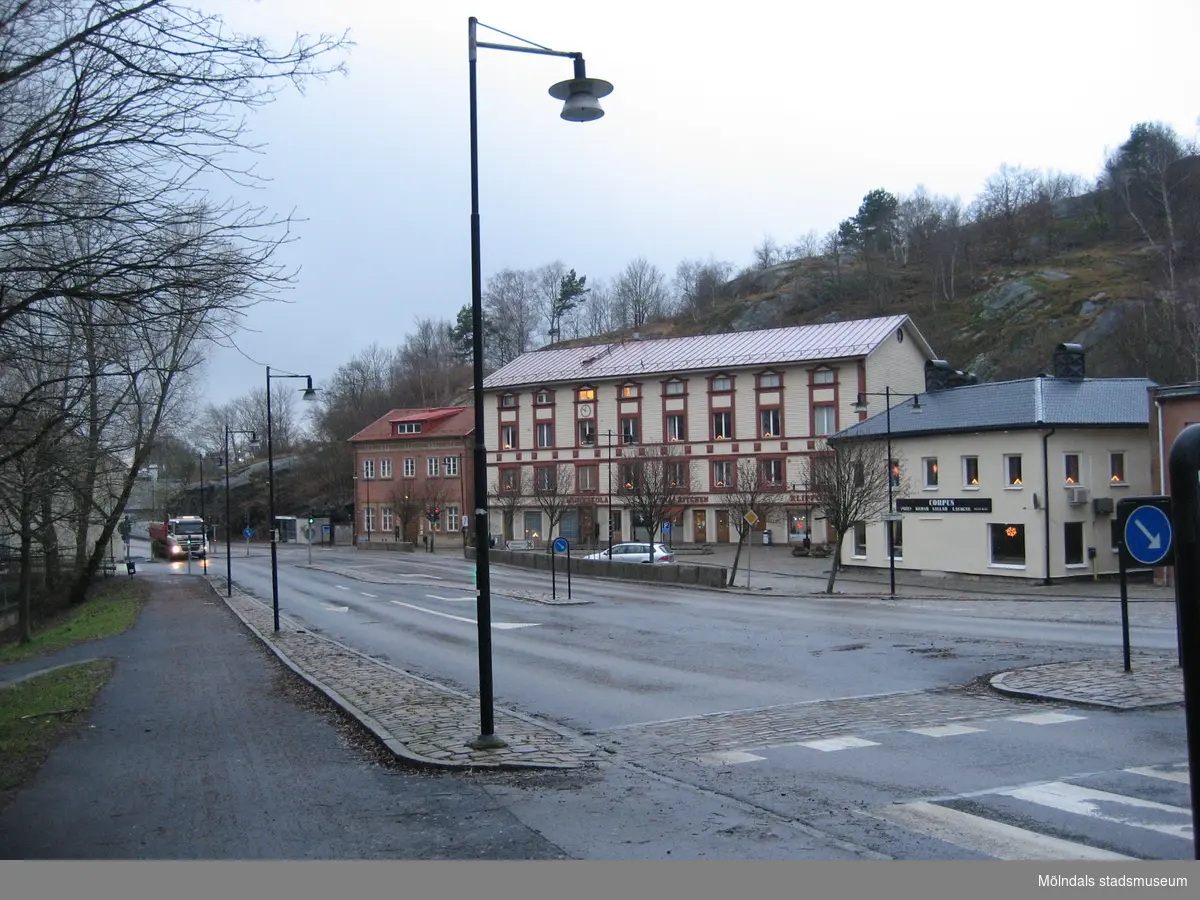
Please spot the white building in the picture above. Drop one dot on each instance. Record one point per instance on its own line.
(772, 395)
(1015, 478)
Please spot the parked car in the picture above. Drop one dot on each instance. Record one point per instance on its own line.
(635, 552)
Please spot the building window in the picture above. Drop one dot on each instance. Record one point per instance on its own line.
(385, 468)
(824, 419)
(860, 540)
(369, 519)
(368, 468)
(769, 380)
(722, 474)
(587, 394)
(1071, 468)
(929, 465)
(545, 434)
(508, 400)
(722, 384)
(1073, 543)
(508, 437)
(508, 480)
(410, 467)
(453, 523)
(387, 518)
(674, 386)
(587, 433)
(408, 428)
(545, 478)
(894, 472)
(1008, 544)
(587, 478)
(970, 471)
(823, 376)
(450, 465)
(676, 428)
(627, 476)
(860, 475)
(768, 420)
(896, 538)
(772, 472)
(677, 475)
(1116, 466)
(629, 430)
(722, 426)
(1012, 471)
(628, 391)
(432, 468)
(543, 398)
(533, 524)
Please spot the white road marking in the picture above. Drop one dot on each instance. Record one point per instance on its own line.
(332, 608)
(341, 587)
(1096, 804)
(840, 743)
(500, 625)
(732, 757)
(451, 599)
(365, 594)
(945, 730)
(1179, 775)
(415, 575)
(995, 839)
(1045, 718)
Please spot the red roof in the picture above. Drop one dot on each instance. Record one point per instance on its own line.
(441, 422)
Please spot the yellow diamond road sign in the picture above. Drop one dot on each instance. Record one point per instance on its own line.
(751, 517)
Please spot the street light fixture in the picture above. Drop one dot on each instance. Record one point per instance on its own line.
(581, 104)
(309, 394)
(861, 405)
(228, 520)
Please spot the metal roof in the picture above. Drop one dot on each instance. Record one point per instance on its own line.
(731, 350)
(1026, 403)
(440, 422)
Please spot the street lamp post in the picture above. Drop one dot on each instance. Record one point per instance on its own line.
(309, 394)
(581, 104)
(610, 509)
(229, 521)
(861, 405)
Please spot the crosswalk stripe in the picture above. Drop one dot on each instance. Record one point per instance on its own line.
(1045, 718)
(995, 839)
(1179, 775)
(945, 730)
(731, 757)
(1097, 804)
(839, 743)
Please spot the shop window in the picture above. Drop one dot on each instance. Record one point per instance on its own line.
(1073, 543)
(1008, 544)
(860, 540)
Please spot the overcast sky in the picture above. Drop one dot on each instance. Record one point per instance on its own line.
(728, 122)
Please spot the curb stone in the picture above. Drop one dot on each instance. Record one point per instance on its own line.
(1062, 691)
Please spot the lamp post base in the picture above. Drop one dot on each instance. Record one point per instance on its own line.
(487, 742)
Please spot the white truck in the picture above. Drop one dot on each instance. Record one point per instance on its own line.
(178, 538)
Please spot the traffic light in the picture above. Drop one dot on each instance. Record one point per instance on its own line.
(311, 517)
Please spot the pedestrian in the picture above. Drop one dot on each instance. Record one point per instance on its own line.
(425, 540)
(807, 541)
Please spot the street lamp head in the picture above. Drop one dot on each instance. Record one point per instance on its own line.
(916, 407)
(581, 95)
(309, 392)
(860, 405)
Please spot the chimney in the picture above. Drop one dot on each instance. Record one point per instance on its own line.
(937, 375)
(1068, 362)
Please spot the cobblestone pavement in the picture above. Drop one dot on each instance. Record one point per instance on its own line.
(791, 723)
(1153, 681)
(416, 719)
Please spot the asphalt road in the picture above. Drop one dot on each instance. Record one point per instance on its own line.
(751, 698)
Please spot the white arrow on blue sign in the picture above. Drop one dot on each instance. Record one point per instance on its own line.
(560, 545)
(248, 533)
(1148, 535)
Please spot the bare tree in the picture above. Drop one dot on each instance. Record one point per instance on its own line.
(807, 246)
(508, 498)
(640, 293)
(408, 510)
(698, 285)
(511, 313)
(849, 482)
(767, 253)
(651, 484)
(1003, 206)
(554, 494)
(754, 491)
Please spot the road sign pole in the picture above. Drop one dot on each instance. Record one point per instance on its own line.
(553, 587)
(1124, 610)
(568, 571)
(1185, 514)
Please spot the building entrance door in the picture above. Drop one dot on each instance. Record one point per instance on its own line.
(700, 526)
(722, 526)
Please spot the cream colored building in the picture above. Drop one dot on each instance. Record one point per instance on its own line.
(1015, 479)
(771, 395)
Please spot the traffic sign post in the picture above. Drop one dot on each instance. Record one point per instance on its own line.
(247, 534)
(1145, 539)
(1185, 519)
(751, 517)
(561, 545)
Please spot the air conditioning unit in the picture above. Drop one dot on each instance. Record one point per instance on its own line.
(1077, 496)
(1103, 506)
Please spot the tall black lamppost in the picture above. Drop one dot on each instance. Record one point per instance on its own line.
(861, 405)
(229, 521)
(581, 104)
(309, 394)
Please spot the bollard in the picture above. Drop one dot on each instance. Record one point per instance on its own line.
(1185, 512)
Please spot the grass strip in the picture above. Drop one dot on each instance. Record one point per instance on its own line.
(110, 612)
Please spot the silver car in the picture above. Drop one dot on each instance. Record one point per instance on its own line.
(635, 552)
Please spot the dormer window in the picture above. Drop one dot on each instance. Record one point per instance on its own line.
(722, 383)
(628, 391)
(543, 398)
(408, 428)
(587, 394)
(508, 400)
(768, 380)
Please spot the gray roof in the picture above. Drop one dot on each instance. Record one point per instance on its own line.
(1027, 403)
(771, 346)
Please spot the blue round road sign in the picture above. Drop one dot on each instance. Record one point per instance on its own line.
(560, 545)
(249, 533)
(1148, 535)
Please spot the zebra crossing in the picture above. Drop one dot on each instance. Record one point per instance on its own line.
(1140, 812)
